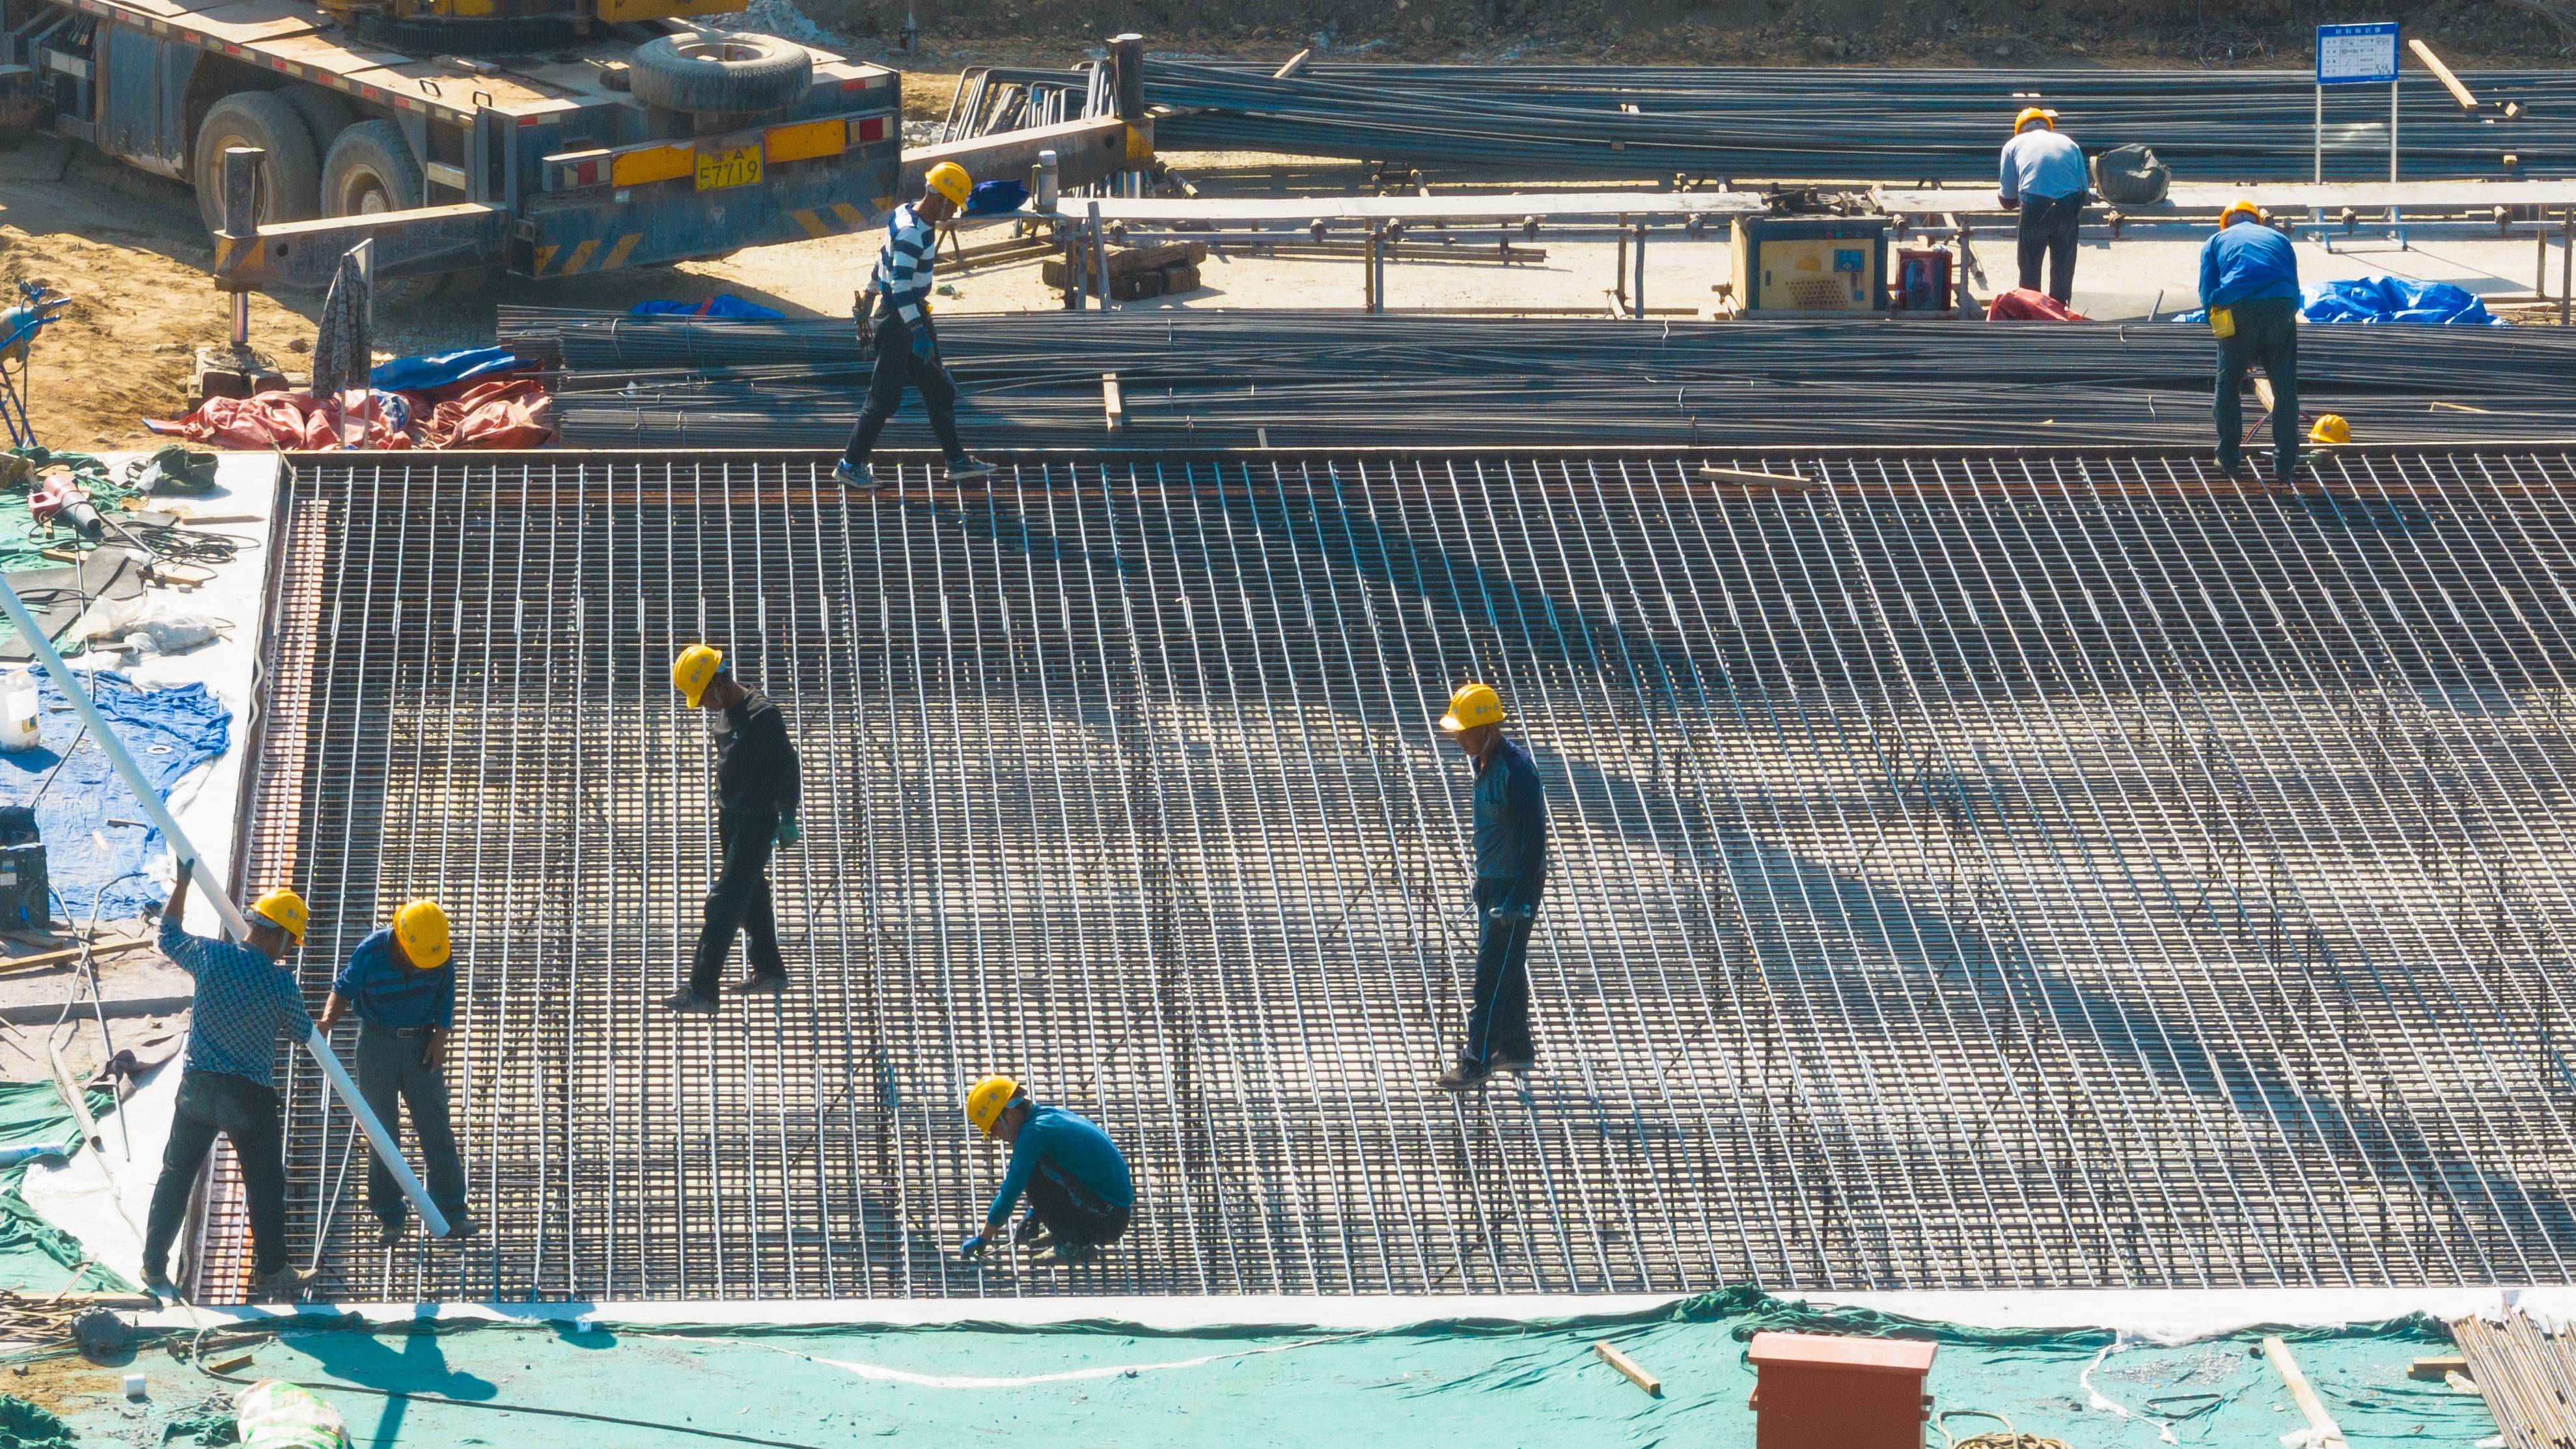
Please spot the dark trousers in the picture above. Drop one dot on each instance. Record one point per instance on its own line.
(739, 901)
(1498, 1017)
(246, 1112)
(2267, 332)
(897, 368)
(390, 1074)
(1072, 1211)
(2048, 230)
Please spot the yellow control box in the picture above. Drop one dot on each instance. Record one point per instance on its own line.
(1807, 264)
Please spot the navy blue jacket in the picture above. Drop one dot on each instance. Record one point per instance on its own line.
(1511, 824)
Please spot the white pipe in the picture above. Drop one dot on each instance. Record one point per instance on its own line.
(387, 1151)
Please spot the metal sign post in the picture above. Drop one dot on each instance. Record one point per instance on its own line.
(2357, 55)
(235, 923)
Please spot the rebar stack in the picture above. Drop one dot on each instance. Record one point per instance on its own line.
(1979, 869)
(1309, 380)
(1751, 121)
(2527, 1375)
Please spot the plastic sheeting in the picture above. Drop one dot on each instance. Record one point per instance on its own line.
(35, 1255)
(2395, 299)
(722, 304)
(439, 369)
(93, 863)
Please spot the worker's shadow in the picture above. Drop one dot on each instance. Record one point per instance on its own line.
(412, 1362)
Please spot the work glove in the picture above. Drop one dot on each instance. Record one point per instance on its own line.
(972, 1248)
(788, 834)
(921, 340)
(1511, 911)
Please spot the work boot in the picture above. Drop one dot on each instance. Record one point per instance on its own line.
(1032, 1234)
(1464, 1075)
(2232, 465)
(1066, 1255)
(156, 1281)
(1518, 1066)
(863, 476)
(286, 1285)
(688, 1002)
(394, 1230)
(759, 983)
(961, 469)
(461, 1226)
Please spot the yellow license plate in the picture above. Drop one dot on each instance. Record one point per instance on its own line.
(737, 167)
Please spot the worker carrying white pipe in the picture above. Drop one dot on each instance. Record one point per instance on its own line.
(1511, 870)
(1079, 1191)
(759, 782)
(897, 317)
(402, 985)
(2043, 179)
(247, 1000)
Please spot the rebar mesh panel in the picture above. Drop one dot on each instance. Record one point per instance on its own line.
(1986, 870)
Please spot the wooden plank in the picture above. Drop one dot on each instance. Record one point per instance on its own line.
(1630, 1368)
(2330, 1436)
(1791, 482)
(2443, 74)
(74, 1097)
(1295, 64)
(70, 954)
(1113, 403)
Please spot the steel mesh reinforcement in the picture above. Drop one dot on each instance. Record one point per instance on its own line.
(1984, 869)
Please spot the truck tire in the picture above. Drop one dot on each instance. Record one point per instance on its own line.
(290, 180)
(371, 170)
(719, 74)
(324, 113)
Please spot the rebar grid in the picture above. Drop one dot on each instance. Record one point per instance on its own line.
(1998, 869)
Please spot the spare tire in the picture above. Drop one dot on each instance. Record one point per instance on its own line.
(290, 178)
(2131, 176)
(719, 74)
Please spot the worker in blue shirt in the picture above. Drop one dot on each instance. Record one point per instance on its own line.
(2249, 281)
(402, 986)
(246, 1001)
(1511, 867)
(2043, 179)
(1079, 1192)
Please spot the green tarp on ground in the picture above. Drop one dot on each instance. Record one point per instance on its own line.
(1500, 1387)
(36, 1256)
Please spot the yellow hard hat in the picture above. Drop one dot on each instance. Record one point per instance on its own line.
(2239, 207)
(1474, 704)
(422, 928)
(2034, 113)
(2331, 429)
(285, 910)
(984, 1105)
(950, 180)
(695, 669)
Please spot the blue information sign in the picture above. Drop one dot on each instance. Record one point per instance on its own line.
(2355, 55)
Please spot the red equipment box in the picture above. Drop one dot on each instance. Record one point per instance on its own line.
(1817, 1391)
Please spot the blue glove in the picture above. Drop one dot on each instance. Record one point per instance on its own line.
(972, 1248)
(921, 340)
(788, 834)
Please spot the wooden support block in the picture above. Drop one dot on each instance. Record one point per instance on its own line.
(233, 1364)
(2263, 392)
(1113, 403)
(2312, 1408)
(2434, 1366)
(1629, 1367)
(1791, 482)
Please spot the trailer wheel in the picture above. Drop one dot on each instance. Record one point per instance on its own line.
(371, 171)
(324, 113)
(289, 179)
(719, 74)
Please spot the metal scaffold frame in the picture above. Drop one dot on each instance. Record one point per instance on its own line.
(1978, 869)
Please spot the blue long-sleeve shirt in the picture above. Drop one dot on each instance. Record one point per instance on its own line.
(2247, 262)
(386, 992)
(1511, 822)
(1073, 1146)
(2041, 164)
(245, 1002)
(903, 264)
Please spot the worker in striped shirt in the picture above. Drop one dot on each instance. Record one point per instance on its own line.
(898, 300)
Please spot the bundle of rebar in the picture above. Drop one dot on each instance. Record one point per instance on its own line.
(1309, 379)
(2527, 1375)
(1852, 122)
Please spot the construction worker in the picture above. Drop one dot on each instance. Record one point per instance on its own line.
(1511, 870)
(1079, 1192)
(907, 350)
(402, 986)
(758, 782)
(246, 1001)
(2043, 179)
(2249, 281)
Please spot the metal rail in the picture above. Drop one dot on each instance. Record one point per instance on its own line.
(1981, 869)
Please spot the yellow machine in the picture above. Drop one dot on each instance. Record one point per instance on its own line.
(1809, 264)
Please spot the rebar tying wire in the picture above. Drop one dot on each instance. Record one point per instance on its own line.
(2005, 1438)
(1980, 869)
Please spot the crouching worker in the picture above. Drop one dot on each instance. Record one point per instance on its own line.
(1079, 1191)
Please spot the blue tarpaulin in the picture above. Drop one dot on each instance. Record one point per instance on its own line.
(168, 731)
(438, 369)
(993, 198)
(722, 304)
(2382, 300)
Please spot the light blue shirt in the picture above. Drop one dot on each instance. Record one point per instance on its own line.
(2043, 164)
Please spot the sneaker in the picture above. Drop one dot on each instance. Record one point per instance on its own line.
(862, 476)
(461, 1226)
(759, 983)
(394, 1230)
(286, 1285)
(1464, 1075)
(961, 469)
(688, 1002)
